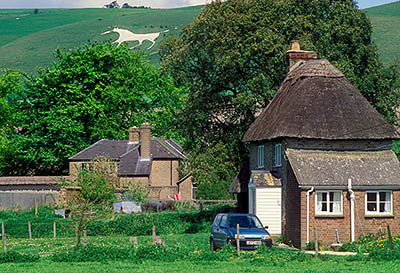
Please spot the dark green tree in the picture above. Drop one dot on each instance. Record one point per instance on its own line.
(232, 57)
(212, 169)
(90, 93)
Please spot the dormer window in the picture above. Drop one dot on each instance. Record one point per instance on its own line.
(278, 155)
(260, 156)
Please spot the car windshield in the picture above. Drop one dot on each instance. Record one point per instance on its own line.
(244, 221)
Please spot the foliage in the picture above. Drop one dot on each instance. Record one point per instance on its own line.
(232, 57)
(95, 193)
(374, 244)
(212, 170)
(15, 257)
(136, 224)
(94, 92)
(137, 193)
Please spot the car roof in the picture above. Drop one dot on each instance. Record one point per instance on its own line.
(236, 214)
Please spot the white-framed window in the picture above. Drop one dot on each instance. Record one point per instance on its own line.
(378, 202)
(260, 156)
(329, 202)
(278, 155)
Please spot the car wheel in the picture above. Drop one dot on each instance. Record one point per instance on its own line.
(212, 245)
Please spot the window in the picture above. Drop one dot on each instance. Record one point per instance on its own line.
(260, 156)
(278, 155)
(329, 202)
(378, 202)
(224, 222)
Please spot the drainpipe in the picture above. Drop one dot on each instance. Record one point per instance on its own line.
(308, 213)
(352, 198)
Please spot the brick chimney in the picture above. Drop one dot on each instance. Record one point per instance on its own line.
(295, 56)
(133, 135)
(145, 141)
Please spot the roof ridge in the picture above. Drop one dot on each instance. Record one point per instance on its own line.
(87, 148)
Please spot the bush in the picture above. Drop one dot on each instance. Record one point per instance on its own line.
(15, 257)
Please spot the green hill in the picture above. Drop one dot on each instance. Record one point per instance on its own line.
(28, 40)
(386, 30)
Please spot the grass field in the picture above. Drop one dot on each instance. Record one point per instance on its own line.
(276, 260)
(28, 40)
(385, 20)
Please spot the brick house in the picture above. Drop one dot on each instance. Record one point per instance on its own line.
(149, 161)
(320, 156)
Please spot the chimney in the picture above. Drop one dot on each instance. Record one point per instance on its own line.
(145, 141)
(133, 135)
(295, 56)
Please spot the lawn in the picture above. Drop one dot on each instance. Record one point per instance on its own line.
(195, 254)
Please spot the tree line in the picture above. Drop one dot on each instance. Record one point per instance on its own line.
(214, 78)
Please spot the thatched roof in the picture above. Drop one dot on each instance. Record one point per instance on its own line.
(317, 101)
(334, 168)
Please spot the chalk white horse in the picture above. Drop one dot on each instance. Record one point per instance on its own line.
(127, 36)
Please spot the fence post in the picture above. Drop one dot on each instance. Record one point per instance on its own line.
(3, 237)
(84, 238)
(36, 208)
(381, 232)
(237, 240)
(30, 230)
(390, 238)
(55, 229)
(316, 241)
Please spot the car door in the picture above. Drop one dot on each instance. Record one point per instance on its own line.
(221, 232)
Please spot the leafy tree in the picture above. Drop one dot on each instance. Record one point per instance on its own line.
(91, 193)
(90, 93)
(212, 170)
(232, 57)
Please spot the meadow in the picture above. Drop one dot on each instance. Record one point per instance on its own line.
(186, 235)
(29, 40)
(184, 252)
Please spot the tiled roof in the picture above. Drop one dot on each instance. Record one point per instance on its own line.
(334, 168)
(130, 163)
(30, 180)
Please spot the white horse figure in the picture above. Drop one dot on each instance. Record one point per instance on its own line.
(127, 36)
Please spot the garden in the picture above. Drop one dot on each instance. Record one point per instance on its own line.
(186, 236)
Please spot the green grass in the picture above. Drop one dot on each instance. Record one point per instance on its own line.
(385, 20)
(250, 261)
(30, 41)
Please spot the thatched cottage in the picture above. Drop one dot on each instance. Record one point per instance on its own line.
(321, 157)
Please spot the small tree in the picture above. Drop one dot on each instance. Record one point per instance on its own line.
(91, 193)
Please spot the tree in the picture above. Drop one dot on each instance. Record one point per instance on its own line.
(212, 170)
(232, 57)
(92, 193)
(94, 92)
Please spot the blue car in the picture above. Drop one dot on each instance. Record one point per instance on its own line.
(251, 232)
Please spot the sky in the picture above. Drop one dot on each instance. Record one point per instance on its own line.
(19, 4)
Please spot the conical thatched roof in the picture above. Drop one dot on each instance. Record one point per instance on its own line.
(317, 101)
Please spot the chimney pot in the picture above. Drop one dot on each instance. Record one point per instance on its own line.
(133, 135)
(295, 45)
(145, 141)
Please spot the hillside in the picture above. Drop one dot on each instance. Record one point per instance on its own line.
(28, 40)
(386, 30)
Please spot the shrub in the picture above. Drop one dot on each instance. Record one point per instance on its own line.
(15, 257)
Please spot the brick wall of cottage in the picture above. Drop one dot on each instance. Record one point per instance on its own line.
(364, 224)
(164, 172)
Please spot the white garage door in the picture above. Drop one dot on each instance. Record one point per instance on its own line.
(268, 208)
